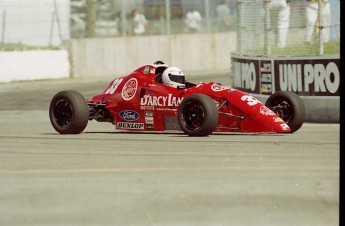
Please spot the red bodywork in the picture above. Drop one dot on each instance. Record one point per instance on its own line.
(138, 102)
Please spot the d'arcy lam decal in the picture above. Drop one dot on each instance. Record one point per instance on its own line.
(160, 101)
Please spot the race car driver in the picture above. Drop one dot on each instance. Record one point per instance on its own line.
(174, 77)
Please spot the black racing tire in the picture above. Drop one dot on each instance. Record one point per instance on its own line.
(288, 106)
(69, 112)
(198, 115)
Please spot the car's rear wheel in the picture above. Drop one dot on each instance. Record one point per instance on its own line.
(69, 112)
(288, 106)
(198, 115)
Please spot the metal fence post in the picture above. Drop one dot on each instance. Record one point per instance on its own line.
(320, 27)
(268, 50)
(167, 16)
(58, 20)
(240, 27)
(207, 13)
(3, 28)
(123, 18)
(91, 18)
(52, 29)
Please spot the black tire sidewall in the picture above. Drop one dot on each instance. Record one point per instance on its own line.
(211, 112)
(80, 112)
(297, 104)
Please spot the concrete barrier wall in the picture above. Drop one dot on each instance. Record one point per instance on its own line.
(117, 56)
(193, 53)
(33, 65)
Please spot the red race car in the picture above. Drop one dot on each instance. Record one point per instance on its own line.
(156, 97)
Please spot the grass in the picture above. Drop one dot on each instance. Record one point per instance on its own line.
(12, 47)
(312, 49)
(330, 48)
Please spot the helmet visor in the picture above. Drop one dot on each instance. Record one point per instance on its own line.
(177, 78)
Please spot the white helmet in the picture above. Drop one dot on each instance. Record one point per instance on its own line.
(173, 76)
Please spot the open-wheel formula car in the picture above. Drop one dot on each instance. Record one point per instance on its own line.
(156, 97)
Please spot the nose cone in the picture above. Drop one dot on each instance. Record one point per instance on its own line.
(272, 120)
(279, 125)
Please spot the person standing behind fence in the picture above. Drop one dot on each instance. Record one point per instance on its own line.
(139, 22)
(283, 17)
(193, 21)
(312, 19)
(224, 17)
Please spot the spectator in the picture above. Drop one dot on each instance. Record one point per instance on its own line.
(283, 17)
(139, 22)
(334, 31)
(193, 21)
(224, 17)
(312, 19)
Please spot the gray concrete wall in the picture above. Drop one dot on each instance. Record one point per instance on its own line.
(193, 53)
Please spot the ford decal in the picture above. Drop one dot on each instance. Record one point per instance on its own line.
(129, 115)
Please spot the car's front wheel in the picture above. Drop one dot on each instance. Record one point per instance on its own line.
(288, 106)
(198, 115)
(69, 112)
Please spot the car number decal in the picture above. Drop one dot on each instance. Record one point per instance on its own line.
(114, 86)
(250, 100)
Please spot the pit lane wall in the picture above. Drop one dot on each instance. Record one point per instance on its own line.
(315, 79)
(34, 65)
(117, 56)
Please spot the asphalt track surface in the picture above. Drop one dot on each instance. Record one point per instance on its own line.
(106, 177)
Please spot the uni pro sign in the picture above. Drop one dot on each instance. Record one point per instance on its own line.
(306, 77)
(246, 74)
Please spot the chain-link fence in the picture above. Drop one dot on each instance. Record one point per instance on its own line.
(261, 25)
(33, 24)
(277, 27)
(92, 18)
(265, 27)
